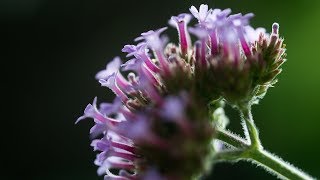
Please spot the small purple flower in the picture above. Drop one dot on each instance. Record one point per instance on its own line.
(216, 20)
(153, 40)
(240, 22)
(202, 14)
(146, 76)
(115, 153)
(133, 50)
(101, 144)
(217, 16)
(111, 108)
(230, 41)
(102, 122)
(181, 21)
(184, 17)
(202, 34)
(91, 111)
(112, 84)
(103, 166)
(117, 109)
(141, 52)
(112, 67)
(132, 65)
(98, 129)
(147, 79)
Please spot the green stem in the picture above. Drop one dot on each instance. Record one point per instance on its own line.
(252, 133)
(277, 166)
(231, 139)
(244, 151)
(229, 155)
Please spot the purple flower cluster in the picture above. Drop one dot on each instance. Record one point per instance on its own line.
(158, 126)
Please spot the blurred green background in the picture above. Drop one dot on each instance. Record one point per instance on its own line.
(54, 48)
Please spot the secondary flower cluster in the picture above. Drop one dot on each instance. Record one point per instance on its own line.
(159, 126)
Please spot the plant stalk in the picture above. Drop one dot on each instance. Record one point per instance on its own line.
(252, 131)
(259, 156)
(277, 166)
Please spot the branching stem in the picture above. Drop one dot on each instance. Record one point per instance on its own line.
(250, 149)
(250, 127)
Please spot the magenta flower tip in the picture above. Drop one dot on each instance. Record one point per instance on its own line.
(275, 28)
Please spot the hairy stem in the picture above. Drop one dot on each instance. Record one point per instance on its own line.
(261, 157)
(231, 139)
(277, 166)
(252, 150)
(253, 134)
(229, 155)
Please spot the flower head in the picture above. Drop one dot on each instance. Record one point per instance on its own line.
(159, 125)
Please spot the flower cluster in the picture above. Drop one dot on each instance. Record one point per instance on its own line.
(159, 125)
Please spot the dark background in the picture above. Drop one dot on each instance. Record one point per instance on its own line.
(53, 48)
